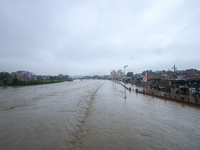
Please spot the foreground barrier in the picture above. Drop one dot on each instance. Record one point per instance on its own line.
(125, 86)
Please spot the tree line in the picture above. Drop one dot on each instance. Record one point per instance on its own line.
(6, 79)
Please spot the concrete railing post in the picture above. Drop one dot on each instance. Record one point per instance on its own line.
(182, 98)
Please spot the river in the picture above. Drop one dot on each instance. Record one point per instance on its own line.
(94, 115)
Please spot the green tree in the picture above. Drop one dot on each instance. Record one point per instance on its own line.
(15, 81)
(66, 77)
(129, 74)
(157, 85)
(168, 89)
(4, 76)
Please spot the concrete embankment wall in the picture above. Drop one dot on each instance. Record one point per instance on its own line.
(180, 99)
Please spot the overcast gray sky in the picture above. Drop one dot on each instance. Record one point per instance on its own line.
(79, 37)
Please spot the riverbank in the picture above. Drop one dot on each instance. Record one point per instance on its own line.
(31, 82)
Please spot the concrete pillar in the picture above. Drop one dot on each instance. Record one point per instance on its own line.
(182, 98)
(164, 95)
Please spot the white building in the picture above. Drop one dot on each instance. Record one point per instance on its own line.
(120, 74)
(113, 74)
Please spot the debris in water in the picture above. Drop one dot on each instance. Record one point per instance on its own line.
(84, 132)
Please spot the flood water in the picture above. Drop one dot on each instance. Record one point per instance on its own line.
(94, 115)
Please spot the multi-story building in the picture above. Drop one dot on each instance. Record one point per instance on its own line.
(190, 72)
(147, 77)
(120, 74)
(24, 75)
(116, 75)
(113, 74)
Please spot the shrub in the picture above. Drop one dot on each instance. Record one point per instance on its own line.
(168, 89)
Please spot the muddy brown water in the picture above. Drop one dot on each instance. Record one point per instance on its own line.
(94, 115)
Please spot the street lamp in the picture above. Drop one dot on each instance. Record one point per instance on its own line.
(115, 80)
(125, 80)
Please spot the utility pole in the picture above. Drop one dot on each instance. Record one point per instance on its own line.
(174, 75)
(174, 68)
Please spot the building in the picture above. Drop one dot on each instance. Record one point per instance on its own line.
(147, 76)
(190, 72)
(120, 74)
(113, 75)
(24, 75)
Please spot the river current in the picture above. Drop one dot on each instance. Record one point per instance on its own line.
(94, 115)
